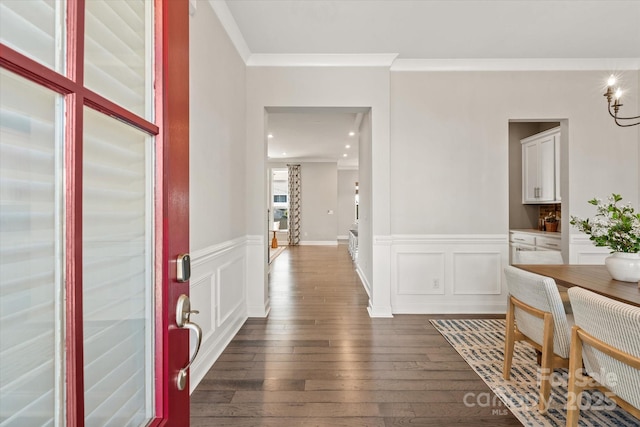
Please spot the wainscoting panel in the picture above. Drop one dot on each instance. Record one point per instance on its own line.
(217, 291)
(432, 274)
(476, 273)
(203, 301)
(420, 273)
(583, 251)
(231, 290)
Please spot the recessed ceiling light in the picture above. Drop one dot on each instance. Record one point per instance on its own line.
(347, 146)
(344, 155)
(270, 136)
(284, 154)
(352, 133)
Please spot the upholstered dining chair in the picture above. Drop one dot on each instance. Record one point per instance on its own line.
(606, 341)
(536, 315)
(544, 257)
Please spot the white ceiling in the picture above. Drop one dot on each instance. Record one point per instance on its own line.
(420, 30)
(314, 136)
(428, 29)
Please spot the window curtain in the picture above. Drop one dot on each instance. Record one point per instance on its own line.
(294, 204)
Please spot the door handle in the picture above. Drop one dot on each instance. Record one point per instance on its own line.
(183, 320)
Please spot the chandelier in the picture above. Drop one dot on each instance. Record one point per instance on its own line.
(615, 96)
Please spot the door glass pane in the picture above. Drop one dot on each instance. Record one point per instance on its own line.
(118, 52)
(30, 254)
(35, 28)
(117, 280)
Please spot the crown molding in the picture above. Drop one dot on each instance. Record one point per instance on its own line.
(517, 64)
(231, 27)
(321, 60)
(390, 59)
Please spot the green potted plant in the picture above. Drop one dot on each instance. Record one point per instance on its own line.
(618, 228)
(551, 222)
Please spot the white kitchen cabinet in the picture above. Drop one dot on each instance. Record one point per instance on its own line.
(533, 240)
(548, 243)
(541, 167)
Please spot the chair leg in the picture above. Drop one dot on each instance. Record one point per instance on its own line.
(546, 370)
(574, 390)
(509, 340)
(546, 365)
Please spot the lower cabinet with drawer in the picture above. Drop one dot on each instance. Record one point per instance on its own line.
(521, 241)
(552, 243)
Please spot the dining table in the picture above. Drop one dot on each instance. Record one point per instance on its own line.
(595, 278)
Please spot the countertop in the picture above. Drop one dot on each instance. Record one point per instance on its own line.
(537, 232)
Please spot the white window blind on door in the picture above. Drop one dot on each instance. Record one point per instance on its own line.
(118, 52)
(30, 254)
(117, 278)
(35, 28)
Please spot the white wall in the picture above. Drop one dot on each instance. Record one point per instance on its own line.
(319, 203)
(217, 127)
(449, 145)
(346, 201)
(218, 236)
(449, 175)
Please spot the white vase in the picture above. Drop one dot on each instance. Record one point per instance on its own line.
(624, 266)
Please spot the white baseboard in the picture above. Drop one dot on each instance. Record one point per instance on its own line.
(259, 311)
(453, 308)
(365, 283)
(376, 312)
(318, 243)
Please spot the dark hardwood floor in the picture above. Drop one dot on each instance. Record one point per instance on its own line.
(320, 360)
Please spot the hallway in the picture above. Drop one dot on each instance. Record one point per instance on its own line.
(320, 360)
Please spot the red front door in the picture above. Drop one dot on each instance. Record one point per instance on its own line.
(175, 106)
(95, 93)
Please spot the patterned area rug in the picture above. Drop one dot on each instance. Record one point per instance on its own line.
(481, 344)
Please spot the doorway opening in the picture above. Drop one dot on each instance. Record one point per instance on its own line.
(332, 147)
(538, 187)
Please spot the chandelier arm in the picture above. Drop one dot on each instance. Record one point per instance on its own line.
(624, 125)
(618, 117)
(628, 118)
